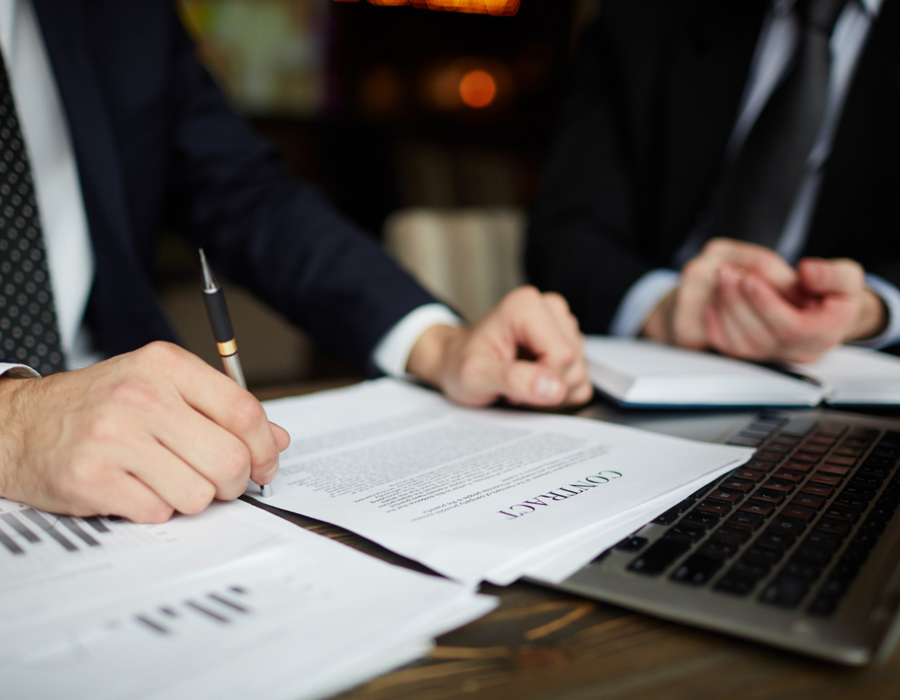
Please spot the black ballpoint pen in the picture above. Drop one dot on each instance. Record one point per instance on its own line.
(220, 320)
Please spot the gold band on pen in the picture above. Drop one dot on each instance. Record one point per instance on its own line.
(229, 348)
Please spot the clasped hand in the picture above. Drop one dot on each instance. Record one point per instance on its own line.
(745, 301)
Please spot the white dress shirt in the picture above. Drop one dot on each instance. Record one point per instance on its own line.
(65, 228)
(774, 50)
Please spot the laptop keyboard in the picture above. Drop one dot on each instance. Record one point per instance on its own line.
(792, 527)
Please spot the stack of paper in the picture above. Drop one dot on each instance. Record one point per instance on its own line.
(233, 603)
(480, 494)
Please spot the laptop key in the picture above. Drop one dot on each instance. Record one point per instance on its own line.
(785, 523)
(779, 486)
(737, 485)
(817, 489)
(700, 518)
(748, 474)
(697, 569)
(775, 539)
(757, 508)
(744, 519)
(725, 495)
(785, 592)
(833, 527)
(767, 496)
(734, 535)
(745, 441)
(798, 427)
(762, 555)
(796, 511)
(631, 544)
(826, 540)
(816, 555)
(801, 569)
(718, 549)
(839, 512)
(658, 556)
(851, 501)
(826, 479)
(713, 507)
(685, 532)
(807, 500)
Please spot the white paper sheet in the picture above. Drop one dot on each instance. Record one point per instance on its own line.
(476, 494)
(296, 616)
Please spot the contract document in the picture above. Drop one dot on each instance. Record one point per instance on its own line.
(295, 616)
(479, 494)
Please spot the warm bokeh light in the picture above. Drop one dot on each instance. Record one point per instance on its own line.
(477, 89)
(500, 8)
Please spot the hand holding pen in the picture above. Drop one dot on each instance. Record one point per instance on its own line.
(220, 320)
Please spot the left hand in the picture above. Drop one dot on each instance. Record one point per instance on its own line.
(830, 306)
(528, 350)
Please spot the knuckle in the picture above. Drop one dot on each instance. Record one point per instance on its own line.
(246, 413)
(160, 352)
(469, 370)
(198, 499)
(79, 478)
(134, 393)
(235, 464)
(154, 513)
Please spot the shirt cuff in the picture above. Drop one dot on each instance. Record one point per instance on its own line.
(17, 371)
(890, 295)
(639, 302)
(392, 352)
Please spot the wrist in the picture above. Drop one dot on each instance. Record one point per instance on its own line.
(657, 325)
(428, 358)
(11, 439)
(873, 317)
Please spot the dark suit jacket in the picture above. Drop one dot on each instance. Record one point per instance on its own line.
(653, 100)
(156, 142)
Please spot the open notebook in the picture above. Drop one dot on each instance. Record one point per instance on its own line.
(643, 373)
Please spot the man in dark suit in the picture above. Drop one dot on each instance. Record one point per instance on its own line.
(111, 128)
(725, 176)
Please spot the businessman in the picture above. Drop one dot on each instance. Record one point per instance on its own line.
(109, 128)
(724, 177)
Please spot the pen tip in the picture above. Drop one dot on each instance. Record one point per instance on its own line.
(209, 282)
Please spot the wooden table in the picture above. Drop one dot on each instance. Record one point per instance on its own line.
(542, 643)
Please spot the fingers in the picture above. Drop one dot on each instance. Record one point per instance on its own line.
(215, 455)
(760, 260)
(214, 395)
(740, 331)
(528, 350)
(540, 325)
(699, 286)
(519, 381)
(182, 487)
(126, 496)
(842, 276)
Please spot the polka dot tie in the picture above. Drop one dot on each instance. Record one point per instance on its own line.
(28, 330)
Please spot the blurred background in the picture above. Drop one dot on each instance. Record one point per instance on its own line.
(424, 121)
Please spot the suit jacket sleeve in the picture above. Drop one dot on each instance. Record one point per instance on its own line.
(582, 241)
(271, 233)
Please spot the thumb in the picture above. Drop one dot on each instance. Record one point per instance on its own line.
(520, 382)
(824, 277)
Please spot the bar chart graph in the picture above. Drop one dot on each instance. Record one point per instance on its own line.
(222, 607)
(35, 542)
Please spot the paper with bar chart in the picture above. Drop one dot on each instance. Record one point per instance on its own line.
(232, 603)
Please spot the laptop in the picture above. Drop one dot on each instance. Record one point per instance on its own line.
(799, 548)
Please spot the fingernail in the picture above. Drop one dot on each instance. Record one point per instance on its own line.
(547, 387)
